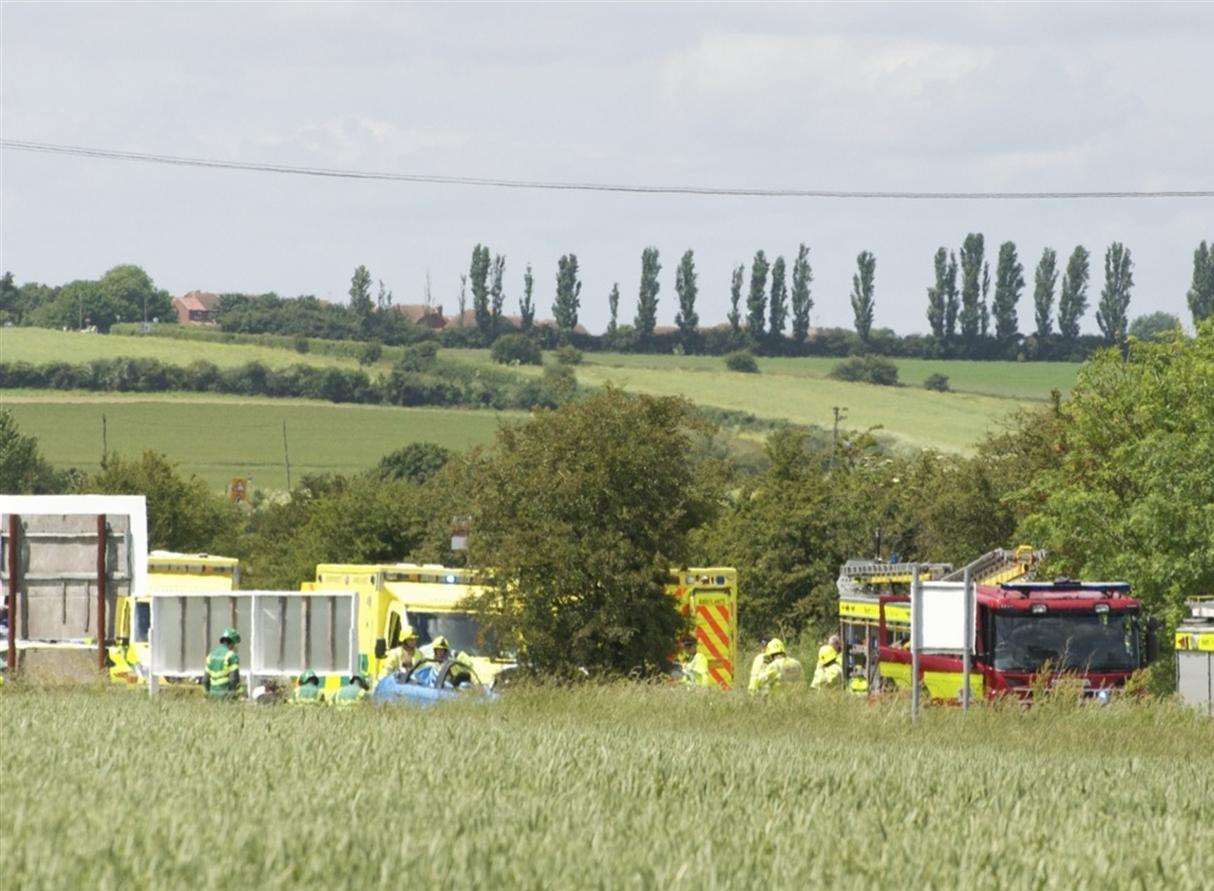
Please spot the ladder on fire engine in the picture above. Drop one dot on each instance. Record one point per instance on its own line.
(857, 575)
(999, 566)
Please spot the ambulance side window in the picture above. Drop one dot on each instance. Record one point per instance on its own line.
(393, 636)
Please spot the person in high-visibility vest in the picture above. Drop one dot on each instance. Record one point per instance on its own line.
(829, 672)
(693, 667)
(309, 691)
(354, 690)
(403, 656)
(222, 677)
(756, 667)
(780, 670)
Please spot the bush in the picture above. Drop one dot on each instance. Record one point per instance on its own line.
(569, 355)
(300, 344)
(517, 349)
(867, 370)
(743, 361)
(419, 357)
(372, 353)
(937, 382)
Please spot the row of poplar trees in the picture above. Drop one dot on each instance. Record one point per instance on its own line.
(962, 306)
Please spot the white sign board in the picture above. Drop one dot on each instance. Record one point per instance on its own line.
(940, 620)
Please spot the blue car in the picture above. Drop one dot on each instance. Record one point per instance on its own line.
(430, 682)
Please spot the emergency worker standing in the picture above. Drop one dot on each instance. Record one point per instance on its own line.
(403, 656)
(694, 665)
(780, 670)
(309, 691)
(829, 672)
(222, 677)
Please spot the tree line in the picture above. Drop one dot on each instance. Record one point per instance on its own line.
(970, 312)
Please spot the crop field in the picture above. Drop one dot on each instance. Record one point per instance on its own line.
(600, 787)
(219, 437)
(799, 391)
(39, 345)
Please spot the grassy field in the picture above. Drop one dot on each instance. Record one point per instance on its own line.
(40, 345)
(793, 389)
(798, 390)
(614, 787)
(219, 437)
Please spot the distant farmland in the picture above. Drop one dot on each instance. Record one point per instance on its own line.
(220, 437)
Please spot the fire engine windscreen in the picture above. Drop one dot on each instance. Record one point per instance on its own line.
(1068, 641)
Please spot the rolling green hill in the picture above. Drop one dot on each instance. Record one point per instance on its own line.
(219, 437)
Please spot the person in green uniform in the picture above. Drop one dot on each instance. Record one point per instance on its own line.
(222, 677)
(309, 691)
(694, 664)
(354, 690)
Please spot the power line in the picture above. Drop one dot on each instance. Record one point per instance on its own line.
(441, 179)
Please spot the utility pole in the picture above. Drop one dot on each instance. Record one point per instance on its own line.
(840, 415)
(105, 443)
(286, 456)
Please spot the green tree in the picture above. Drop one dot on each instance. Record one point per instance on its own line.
(1201, 291)
(10, 308)
(613, 305)
(360, 296)
(802, 302)
(937, 294)
(1115, 295)
(478, 279)
(496, 295)
(582, 511)
(131, 288)
(756, 300)
(862, 298)
(647, 295)
(777, 305)
(1044, 281)
(1154, 326)
(685, 286)
(23, 470)
(1129, 497)
(1009, 285)
(952, 299)
(1073, 294)
(735, 298)
(416, 462)
(972, 304)
(526, 306)
(383, 298)
(568, 294)
(183, 513)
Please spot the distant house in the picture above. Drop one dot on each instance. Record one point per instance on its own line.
(422, 314)
(196, 308)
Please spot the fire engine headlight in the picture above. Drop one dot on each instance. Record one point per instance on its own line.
(1039, 609)
(1101, 607)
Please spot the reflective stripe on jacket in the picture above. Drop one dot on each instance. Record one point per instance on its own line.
(223, 671)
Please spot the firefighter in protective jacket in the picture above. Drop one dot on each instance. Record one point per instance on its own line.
(829, 672)
(693, 667)
(222, 677)
(780, 670)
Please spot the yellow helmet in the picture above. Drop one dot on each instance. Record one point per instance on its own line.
(827, 653)
(775, 647)
(407, 633)
(440, 643)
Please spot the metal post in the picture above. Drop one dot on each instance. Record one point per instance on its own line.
(102, 546)
(286, 456)
(967, 639)
(14, 564)
(916, 617)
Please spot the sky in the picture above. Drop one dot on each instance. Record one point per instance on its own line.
(933, 97)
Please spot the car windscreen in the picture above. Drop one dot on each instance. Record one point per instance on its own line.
(1068, 641)
(462, 631)
(143, 622)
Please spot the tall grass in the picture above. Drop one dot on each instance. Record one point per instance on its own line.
(601, 787)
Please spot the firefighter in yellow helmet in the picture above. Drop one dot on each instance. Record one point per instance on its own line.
(829, 673)
(402, 656)
(693, 667)
(780, 670)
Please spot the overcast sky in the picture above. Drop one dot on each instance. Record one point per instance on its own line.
(934, 97)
